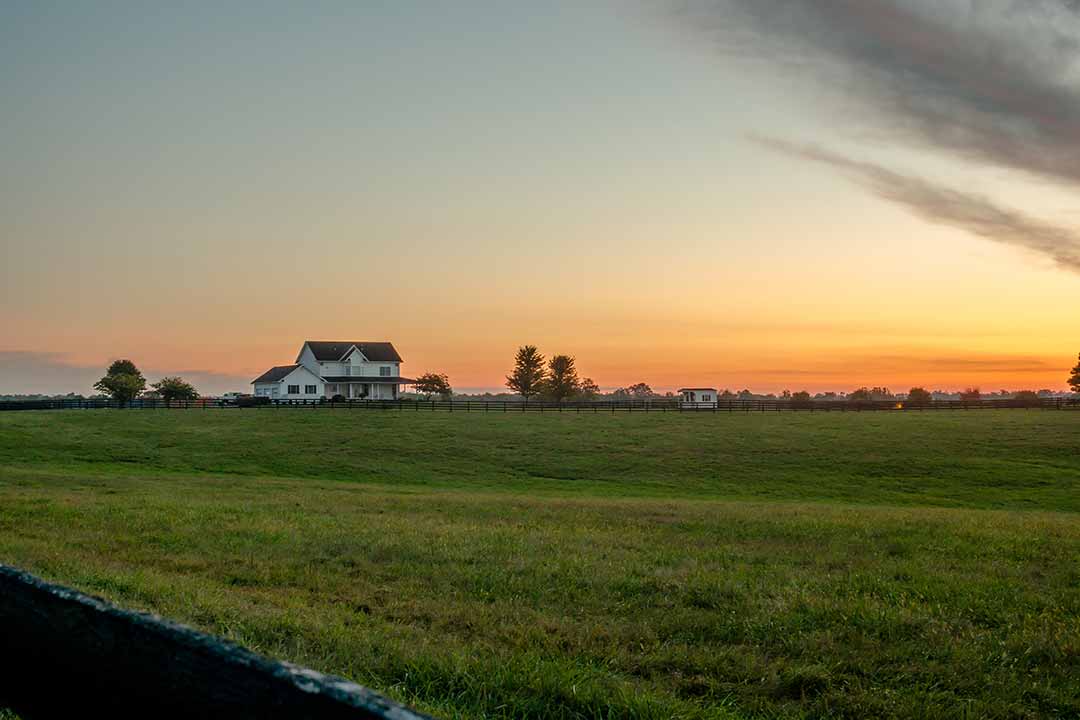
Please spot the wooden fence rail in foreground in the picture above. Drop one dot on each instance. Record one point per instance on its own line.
(66, 654)
(659, 405)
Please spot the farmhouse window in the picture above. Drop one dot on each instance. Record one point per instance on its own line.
(385, 370)
(310, 389)
(294, 389)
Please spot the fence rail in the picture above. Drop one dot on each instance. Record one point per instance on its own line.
(66, 654)
(663, 405)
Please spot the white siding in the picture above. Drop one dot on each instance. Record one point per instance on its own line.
(302, 377)
(357, 368)
(307, 359)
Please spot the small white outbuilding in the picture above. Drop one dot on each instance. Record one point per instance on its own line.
(698, 397)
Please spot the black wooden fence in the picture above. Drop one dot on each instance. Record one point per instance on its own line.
(661, 405)
(66, 654)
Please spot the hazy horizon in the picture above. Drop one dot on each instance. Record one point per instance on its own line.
(681, 193)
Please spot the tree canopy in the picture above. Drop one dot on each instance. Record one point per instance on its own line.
(588, 390)
(434, 384)
(919, 396)
(122, 382)
(1074, 379)
(860, 395)
(175, 388)
(971, 393)
(529, 373)
(562, 379)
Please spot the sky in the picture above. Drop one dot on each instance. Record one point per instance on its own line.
(762, 194)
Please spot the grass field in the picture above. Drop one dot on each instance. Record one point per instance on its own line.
(639, 566)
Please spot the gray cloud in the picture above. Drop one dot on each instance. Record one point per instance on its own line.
(994, 81)
(938, 204)
(26, 372)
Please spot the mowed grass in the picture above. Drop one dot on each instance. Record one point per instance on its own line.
(580, 566)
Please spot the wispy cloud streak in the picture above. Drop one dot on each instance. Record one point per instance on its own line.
(996, 81)
(946, 206)
(992, 82)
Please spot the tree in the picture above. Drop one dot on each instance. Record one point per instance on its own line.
(640, 391)
(174, 388)
(122, 382)
(588, 390)
(861, 395)
(919, 396)
(434, 384)
(562, 379)
(529, 373)
(1074, 379)
(801, 399)
(971, 393)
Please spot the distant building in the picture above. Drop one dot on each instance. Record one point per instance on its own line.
(698, 397)
(326, 369)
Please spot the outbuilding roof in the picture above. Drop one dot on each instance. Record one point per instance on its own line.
(275, 374)
(696, 389)
(332, 350)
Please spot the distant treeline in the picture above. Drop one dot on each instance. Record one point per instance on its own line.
(642, 391)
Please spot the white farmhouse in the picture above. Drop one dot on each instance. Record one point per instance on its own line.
(354, 370)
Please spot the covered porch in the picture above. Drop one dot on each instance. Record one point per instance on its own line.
(366, 388)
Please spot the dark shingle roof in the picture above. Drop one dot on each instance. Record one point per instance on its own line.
(335, 349)
(275, 374)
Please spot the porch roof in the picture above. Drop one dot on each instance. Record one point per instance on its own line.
(370, 380)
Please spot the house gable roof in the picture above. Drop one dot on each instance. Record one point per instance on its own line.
(335, 350)
(279, 373)
(275, 374)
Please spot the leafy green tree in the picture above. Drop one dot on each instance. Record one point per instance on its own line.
(562, 379)
(529, 374)
(588, 390)
(919, 396)
(175, 388)
(1074, 379)
(122, 382)
(434, 384)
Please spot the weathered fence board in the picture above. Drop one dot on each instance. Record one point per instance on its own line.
(66, 654)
